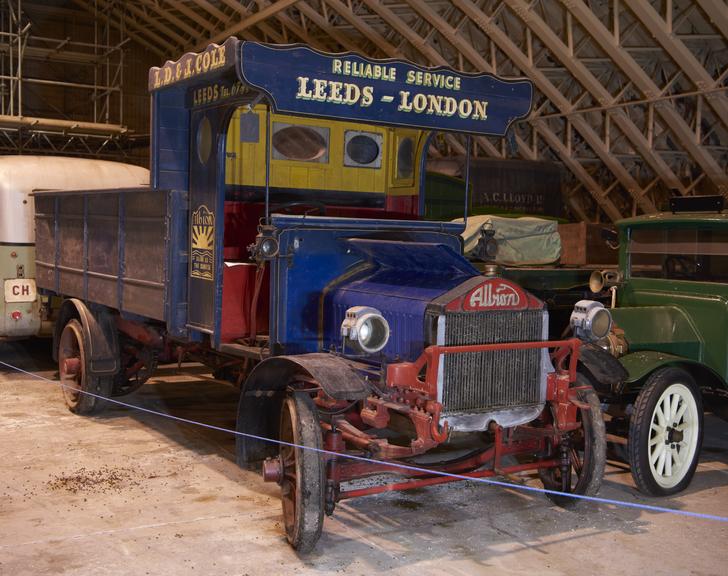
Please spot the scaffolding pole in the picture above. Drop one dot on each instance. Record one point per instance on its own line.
(21, 126)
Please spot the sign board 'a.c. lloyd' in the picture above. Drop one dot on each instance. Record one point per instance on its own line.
(494, 294)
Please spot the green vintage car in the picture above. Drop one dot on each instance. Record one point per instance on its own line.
(670, 332)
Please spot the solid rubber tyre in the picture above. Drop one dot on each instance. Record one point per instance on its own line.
(303, 481)
(664, 452)
(79, 386)
(588, 452)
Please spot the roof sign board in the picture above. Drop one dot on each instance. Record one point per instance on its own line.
(303, 81)
(212, 61)
(300, 80)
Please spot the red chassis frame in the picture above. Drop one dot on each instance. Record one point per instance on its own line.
(408, 395)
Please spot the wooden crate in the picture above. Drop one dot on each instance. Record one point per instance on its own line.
(582, 245)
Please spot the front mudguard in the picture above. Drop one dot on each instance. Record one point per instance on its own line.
(640, 364)
(605, 372)
(263, 392)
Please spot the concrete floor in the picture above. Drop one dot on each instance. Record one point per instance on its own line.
(131, 493)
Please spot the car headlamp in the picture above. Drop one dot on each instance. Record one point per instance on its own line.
(268, 247)
(365, 329)
(265, 247)
(487, 247)
(590, 320)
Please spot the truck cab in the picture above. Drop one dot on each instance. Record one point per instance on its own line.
(670, 333)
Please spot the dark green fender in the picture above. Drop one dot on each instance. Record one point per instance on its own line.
(641, 364)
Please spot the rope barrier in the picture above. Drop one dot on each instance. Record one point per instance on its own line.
(399, 465)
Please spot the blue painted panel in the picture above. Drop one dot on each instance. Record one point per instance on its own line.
(319, 274)
(297, 283)
(177, 257)
(404, 315)
(400, 292)
(174, 180)
(396, 92)
(431, 259)
(172, 138)
(170, 160)
(368, 224)
(172, 106)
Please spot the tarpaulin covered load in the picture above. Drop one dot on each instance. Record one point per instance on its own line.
(523, 241)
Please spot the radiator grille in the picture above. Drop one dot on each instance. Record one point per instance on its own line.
(480, 381)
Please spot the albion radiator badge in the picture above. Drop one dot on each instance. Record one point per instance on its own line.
(496, 294)
(493, 295)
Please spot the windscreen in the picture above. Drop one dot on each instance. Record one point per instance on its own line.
(698, 254)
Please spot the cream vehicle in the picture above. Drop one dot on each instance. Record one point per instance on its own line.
(23, 312)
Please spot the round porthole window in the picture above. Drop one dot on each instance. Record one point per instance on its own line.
(299, 143)
(362, 149)
(204, 140)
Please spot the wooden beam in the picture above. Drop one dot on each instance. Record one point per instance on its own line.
(521, 60)
(167, 16)
(163, 51)
(191, 14)
(247, 22)
(365, 29)
(600, 195)
(717, 13)
(593, 86)
(155, 23)
(672, 119)
(213, 10)
(683, 57)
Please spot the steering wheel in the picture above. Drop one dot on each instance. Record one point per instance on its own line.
(680, 267)
(316, 207)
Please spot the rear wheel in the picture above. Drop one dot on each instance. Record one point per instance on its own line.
(666, 432)
(81, 391)
(587, 453)
(137, 366)
(302, 484)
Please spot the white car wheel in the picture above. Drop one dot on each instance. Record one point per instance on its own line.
(665, 432)
(673, 440)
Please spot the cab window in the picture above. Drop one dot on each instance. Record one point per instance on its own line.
(302, 143)
(362, 149)
(405, 158)
(699, 254)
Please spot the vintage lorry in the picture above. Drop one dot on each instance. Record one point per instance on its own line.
(670, 332)
(23, 313)
(360, 337)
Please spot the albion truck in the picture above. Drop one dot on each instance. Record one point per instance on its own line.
(279, 243)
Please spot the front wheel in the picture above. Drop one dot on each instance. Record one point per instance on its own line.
(587, 452)
(666, 432)
(302, 484)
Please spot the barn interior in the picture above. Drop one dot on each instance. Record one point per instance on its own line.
(629, 118)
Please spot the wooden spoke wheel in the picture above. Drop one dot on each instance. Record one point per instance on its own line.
(143, 361)
(302, 482)
(666, 432)
(587, 453)
(77, 384)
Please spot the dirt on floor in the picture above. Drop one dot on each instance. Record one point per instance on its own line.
(127, 492)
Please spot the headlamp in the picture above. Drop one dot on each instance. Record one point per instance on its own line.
(590, 320)
(365, 329)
